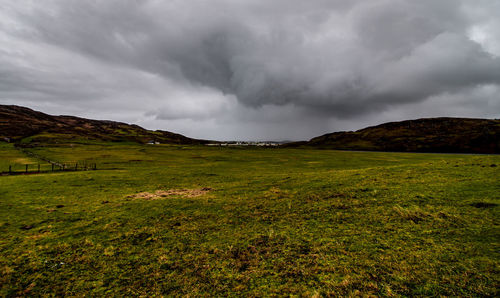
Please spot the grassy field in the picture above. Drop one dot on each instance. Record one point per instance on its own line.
(198, 221)
(9, 156)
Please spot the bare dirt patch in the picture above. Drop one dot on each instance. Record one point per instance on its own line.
(161, 194)
(483, 205)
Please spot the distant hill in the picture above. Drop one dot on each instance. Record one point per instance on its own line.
(17, 123)
(447, 135)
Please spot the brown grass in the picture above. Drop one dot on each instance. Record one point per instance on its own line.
(161, 194)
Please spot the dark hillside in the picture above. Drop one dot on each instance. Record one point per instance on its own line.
(447, 135)
(17, 123)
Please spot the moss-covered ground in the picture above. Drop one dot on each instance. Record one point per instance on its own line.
(268, 222)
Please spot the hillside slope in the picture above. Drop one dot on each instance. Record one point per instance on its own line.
(17, 123)
(449, 135)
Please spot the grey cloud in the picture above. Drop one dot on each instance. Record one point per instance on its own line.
(323, 59)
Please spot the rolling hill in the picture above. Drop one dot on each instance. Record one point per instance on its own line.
(445, 135)
(19, 123)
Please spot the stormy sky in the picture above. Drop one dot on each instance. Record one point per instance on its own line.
(252, 69)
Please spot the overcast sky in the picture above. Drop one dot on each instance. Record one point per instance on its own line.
(252, 69)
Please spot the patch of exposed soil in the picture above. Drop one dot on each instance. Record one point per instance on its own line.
(161, 194)
(483, 205)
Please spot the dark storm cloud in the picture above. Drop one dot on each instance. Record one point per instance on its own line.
(225, 61)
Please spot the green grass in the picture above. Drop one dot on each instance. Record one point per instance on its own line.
(10, 156)
(276, 222)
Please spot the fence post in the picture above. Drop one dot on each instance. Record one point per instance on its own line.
(10, 169)
(26, 168)
(76, 166)
(38, 168)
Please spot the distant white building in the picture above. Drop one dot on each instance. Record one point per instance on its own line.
(239, 143)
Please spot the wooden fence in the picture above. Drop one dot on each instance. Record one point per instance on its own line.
(49, 166)
(36, 168)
